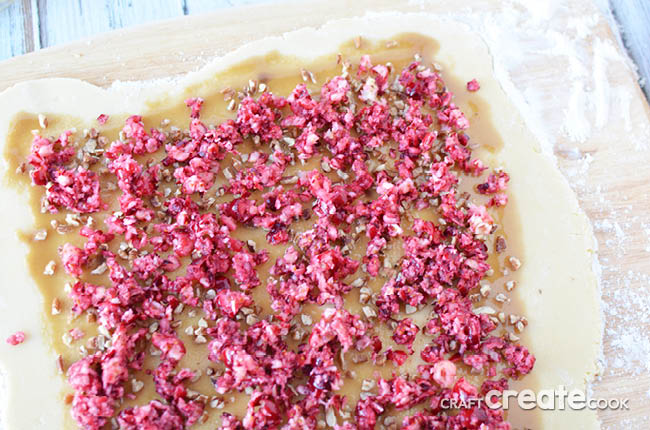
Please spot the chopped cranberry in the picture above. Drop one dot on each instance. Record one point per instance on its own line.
(405, 332)
(521, 360)
(230, 302)
(473, 85)
(244, 265)
(170, 346)
(444, 373)
(92, 412)
(76, 333)
(83, 375)
(16, 338)
(337, 324)
(396, 356)
(73, 259)
(496, 182)
(389, 144)
(76, 190)
(258, 117)
(152, 416)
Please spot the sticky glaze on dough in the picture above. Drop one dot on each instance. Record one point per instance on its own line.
(556, 280)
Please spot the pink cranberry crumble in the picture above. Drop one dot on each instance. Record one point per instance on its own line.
(473, 85)
(16, 338)
(390, 144)
(102, 118)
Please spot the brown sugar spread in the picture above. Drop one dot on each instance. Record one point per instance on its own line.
(288, 247)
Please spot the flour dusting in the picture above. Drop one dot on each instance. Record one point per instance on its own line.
(576, 124)
(524, 37)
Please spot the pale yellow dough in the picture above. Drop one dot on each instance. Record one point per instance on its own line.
(559, 287)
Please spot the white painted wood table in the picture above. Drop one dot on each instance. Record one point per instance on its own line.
(29, 25)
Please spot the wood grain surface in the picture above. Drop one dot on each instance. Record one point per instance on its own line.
(633, 17)
(613, 188)
(28, 25)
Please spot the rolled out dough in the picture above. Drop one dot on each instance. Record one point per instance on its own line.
(559, 288)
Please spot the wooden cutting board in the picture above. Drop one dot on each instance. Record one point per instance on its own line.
(613, 129)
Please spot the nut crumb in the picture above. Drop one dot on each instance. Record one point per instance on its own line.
(367, 384)
(488, 310)
(330, 418)
(56, 306)
(60, 365)
(73, 220)
(99, 270)
(513, 337)
(50, 268)
(67, 339)
(42, 121)
(514, 263)
(40, 235)
(485, 290)
(306, 319)
(500, 244)
(519, 326)
(136, 385)
(501, 298)
(369, 312)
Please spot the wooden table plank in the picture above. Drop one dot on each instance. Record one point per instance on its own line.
(200, 6)
(634, 19)
(12, 31)
(28, 25)
(65, 21)
(31, 24)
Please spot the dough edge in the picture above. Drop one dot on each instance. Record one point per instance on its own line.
(559, 243)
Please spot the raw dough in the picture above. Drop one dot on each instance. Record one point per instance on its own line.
(559, 287)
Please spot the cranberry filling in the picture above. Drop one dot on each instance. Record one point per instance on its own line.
(389, 144)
